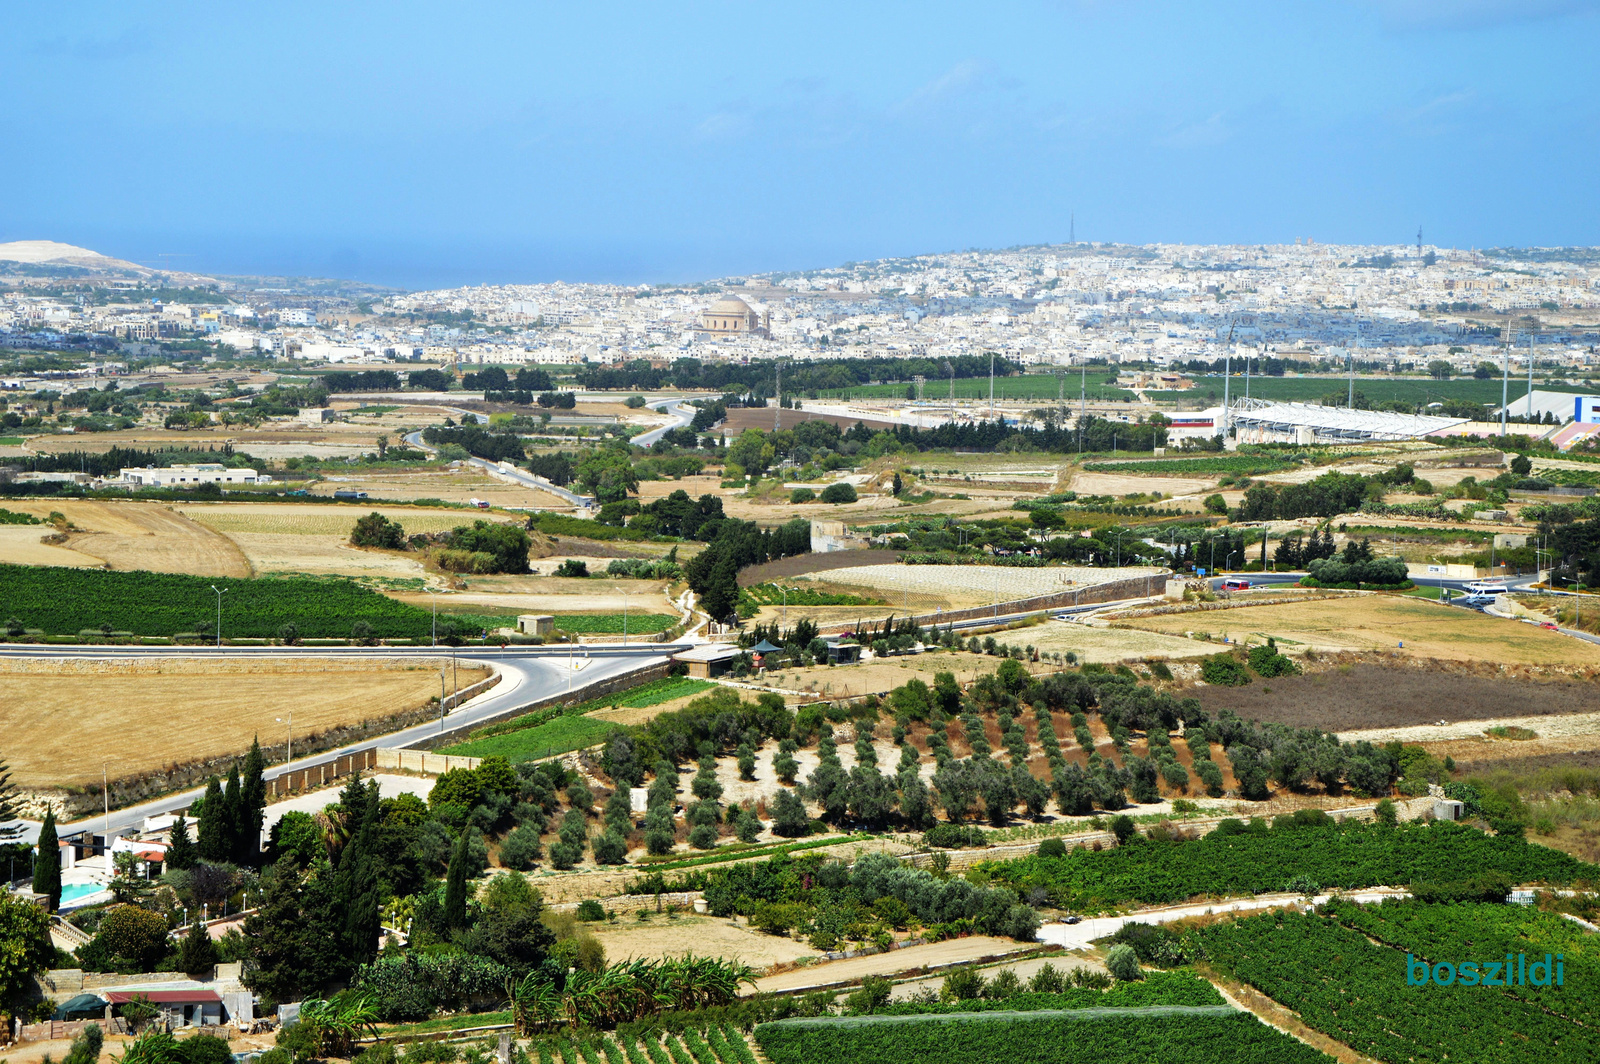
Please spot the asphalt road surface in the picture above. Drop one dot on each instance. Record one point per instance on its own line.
(673, 408)
(527, 676)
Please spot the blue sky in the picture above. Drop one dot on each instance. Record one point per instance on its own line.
(423, 145)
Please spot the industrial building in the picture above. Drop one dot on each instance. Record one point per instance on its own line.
(1255, 421)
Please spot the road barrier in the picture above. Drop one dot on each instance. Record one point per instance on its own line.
(1132, 587)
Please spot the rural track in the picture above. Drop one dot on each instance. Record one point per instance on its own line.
(528, 675)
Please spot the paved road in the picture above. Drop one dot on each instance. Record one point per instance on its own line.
(1080, 936)
(519, 476)
(673, 407)
(527, 675)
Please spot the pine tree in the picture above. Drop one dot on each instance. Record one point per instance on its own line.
(10, 820)
(232, 812)
(47, 867)
(180, 853)
(455, 884)
(253, 807)
(212, 842)
(197, 954)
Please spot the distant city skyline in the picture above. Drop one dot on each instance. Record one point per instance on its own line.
(422, 147)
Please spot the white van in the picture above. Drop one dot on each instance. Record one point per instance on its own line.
(1488, 587)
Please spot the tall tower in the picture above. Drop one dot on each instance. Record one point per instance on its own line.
(1072, 228)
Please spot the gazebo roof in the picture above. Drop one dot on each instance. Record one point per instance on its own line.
(764, 647)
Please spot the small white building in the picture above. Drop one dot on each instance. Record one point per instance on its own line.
(189, 476)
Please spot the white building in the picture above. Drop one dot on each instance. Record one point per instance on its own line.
(189, 476)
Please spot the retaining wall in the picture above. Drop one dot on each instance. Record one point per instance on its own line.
(1132, 587)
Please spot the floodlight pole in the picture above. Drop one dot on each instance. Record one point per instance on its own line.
(1505, 382)
(219, 614)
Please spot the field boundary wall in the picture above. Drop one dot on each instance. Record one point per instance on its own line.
(1131, 587)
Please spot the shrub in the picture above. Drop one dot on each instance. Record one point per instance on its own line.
(1123, 828)
(610, 849)
(703, 837)
(1224, 670)
(1052, 848)
(1123, 964)
(572, 567)
(799, 495)
(839, 493)
(591, 910)
(204, 1049)
(376, 530)
(521, 848)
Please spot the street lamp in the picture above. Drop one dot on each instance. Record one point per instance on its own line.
(289, 749)
(219, 614)
(435, 599)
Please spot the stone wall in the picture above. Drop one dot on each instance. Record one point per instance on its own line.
(1132, 587)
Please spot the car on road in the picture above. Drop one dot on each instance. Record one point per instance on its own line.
(1236, 583)
(1548, 626)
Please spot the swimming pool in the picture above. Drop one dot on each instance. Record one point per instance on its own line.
(75, 891)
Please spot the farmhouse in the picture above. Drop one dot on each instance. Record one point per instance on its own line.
(188, 476)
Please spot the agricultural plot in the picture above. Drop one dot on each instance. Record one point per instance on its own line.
(310, 519)
(139, 535)
(1346, 974)
(1248, 464)
(976, 585)
(1350, 856)
(68, 601)
(1107, 645)
(614, 623)
(61, 720)
(1199, 1035)
(1385, 622)
(711, 1045)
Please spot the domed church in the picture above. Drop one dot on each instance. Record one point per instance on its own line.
(731, 316)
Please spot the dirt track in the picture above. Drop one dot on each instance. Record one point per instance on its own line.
(950, 951)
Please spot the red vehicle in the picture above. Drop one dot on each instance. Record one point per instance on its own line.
(1548, 625)
(1236, 583)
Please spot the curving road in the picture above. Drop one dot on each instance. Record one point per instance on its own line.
(528, 675)
(673, 407)
(512, 473)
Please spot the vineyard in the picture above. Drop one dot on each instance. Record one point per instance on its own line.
(1179, 986)
(1329, 969)
(1350, 855)
(774, 595)
(714, 1045)
(1247, 464)
(67, 601)
(612, 623)
(1092, 1036)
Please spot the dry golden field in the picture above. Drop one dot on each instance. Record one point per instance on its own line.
(60, 719)
(133, 535)
(1383, 622)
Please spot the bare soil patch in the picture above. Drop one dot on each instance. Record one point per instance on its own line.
(803, 564)
(1120, 484)
(741, 418)
(950, 951)
(1411, 626)
(22, 545)
(1353, 697)
(149, 536)
(1528, 765)
(704, 936)
(62, 718)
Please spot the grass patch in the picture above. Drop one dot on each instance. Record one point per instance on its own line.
(558, 729)
(1511, 731)
(558, 736)
(447, 1023)
(611, 623)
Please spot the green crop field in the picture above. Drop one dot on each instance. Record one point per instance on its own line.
(1345, 971)
(1349, 855)
(557, 729)
(1376, 389)
(1092, 1036)
(557, 736)
(611, 623)
(1029, 387)
(67, 601)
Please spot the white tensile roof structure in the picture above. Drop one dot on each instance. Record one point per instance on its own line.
(1335, 423)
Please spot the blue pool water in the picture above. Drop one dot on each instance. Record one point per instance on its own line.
(74, 891)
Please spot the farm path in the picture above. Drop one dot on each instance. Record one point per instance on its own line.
(950, 951)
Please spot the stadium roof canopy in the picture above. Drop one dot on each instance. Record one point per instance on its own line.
(1336, 423)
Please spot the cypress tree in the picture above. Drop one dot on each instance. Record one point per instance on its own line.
(197, 954)
(253, 792)
(212, 838)
(180, 854)
(232, 814)
(47, 868)
(358, 880)
(455, 884)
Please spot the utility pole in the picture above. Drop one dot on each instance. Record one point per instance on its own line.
(950, 369)
(777, 400)
(1529, 411)
(991, 384)
(1505, 377)
(219, 614)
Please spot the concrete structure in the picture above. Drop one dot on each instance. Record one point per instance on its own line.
(829, 536)
(712, 659)
(1303, 423)
(543, 624)
(317, 415)
(189, 476)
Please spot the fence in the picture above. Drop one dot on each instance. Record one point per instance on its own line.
(319, 775)
(423, 761)
(1132, 587)
(50, 1029)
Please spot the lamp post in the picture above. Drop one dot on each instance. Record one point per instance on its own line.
(289, 746)
(434, 597)
(219, 614)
